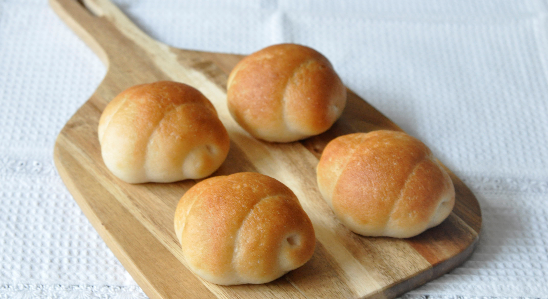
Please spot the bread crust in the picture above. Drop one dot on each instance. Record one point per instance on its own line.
(162, 132)
(284, 93)
(243, 228)
(384, 183)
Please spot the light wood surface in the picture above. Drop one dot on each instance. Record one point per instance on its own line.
(136, 221)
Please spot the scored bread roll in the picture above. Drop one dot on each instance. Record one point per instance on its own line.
(284, 93)
(384, 183)
(243, 228)
(162, 132)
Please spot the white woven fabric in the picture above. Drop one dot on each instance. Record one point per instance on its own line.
(469, 78)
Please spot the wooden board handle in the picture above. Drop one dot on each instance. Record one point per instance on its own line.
(101, 25)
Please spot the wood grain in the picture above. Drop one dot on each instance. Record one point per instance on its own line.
(136, 221)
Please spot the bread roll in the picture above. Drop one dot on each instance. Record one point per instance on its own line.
(243, 228)
(284, 93)
(162, 132)
(384, 183)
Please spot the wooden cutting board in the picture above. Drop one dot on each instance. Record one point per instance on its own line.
(136, 221)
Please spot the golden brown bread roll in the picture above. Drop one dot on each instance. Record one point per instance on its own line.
(162, 132)
(284, 93)
(384, 183)
(243, 228)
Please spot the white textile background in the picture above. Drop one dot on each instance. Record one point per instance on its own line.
(469, 78)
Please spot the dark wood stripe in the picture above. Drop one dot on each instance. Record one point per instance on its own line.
(129, 240)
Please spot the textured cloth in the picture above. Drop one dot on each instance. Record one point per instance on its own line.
(469, 78)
